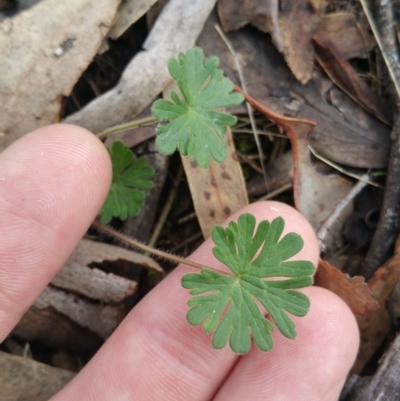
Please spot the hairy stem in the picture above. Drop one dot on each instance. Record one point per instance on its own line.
(136, 244)
(126, 126)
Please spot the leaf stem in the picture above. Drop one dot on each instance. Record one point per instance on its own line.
(126, 126)
(132, 242)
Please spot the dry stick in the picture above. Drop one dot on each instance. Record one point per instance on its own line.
(336, 212)
(136, 244)
(366, 178)
(389, 219)
(277, 192)
(384, 32)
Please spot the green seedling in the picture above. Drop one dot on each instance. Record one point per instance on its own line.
(194, 126)
(256, 292)
(227, 304)
(130, 177)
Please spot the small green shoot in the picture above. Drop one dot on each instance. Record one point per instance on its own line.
(195, 128)
(130, 177)
(229, 305)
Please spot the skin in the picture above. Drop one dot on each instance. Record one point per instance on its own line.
(52, 184)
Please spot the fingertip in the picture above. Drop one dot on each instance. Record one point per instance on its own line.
(53, 182)
(62, 145)
(69, 141)
(315, 363)
(330, 339)
(331, 321)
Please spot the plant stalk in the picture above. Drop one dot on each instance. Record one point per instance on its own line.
(126, 126)
(130, 241)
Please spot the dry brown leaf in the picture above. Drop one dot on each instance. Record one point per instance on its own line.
(315, 194)
(217, 191)
(260, 13)
(355, 113)
(344, 76)
(359, 40)
(375, 326)
(268, 79)
(298, 22)
(353, 290)
(23, 379)
(43, 52)
(290, 22)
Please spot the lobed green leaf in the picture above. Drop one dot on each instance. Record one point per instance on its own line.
(195, 128)
(229, 305)
(130, 177)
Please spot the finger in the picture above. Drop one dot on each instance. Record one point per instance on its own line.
(52, 184)
(313, 367)
(155, 354)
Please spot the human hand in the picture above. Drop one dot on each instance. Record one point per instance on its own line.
(52, 184)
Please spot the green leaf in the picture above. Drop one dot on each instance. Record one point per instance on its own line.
(195, 128)
(130, 176)
(229, 305)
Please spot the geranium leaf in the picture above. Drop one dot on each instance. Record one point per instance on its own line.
(195, 128)
(229, 305)
(130, 177)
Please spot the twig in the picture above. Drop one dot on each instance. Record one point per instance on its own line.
(188, 217)
(389, 219)
(366, 178)
(277, 191)
(336, 212)
(136, 244)
(385, 35)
